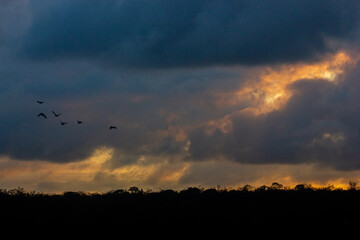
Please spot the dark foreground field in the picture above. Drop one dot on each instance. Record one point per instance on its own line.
(267, 206)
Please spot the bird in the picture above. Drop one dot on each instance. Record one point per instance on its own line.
(80, 122)
(42, 115)
(63, 123)
(56, 114)
(113, 127)
(40, 102)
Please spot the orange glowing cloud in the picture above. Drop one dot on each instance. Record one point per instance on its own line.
(29, 173)
(266, 89)
(92, 174)
(269, 92)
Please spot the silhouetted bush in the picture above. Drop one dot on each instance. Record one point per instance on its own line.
(135, 190)
(352, 186)
(210, 192)
(191, 191)
(168, 193)
(303, 187)
(117, 192)
(17, 191)
(276, 186)
(262, 188)
(246, 188)
(74, 194)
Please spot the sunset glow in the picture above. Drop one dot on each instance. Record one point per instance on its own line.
(270, 92)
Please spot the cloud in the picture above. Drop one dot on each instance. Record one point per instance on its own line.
(132, 100)
(193, 87)
(189, 114)
(171, 34)
(318, 124)
(95, 175)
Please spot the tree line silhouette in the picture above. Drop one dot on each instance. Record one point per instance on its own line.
(275, 206)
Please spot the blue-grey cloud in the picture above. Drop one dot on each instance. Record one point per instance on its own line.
(319, 124)
(162, 34)
(134, 101)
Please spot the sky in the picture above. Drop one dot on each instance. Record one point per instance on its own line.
(203, 93)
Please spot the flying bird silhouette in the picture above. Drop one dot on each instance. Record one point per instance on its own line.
(113, 127)
(56, 114)
(80, 122)
(63, 123)
(40, 102)
(42, 115)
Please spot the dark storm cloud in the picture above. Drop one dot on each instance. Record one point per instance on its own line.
(133, 101)
(162, 33)
(320, 124)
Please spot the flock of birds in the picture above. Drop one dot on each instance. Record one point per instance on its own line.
(41, 114)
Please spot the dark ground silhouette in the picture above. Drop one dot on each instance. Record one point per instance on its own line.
(274, 206)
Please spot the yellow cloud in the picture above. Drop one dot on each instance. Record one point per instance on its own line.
(34, 171)
(269, 91)
(92, 174)
(266, 89)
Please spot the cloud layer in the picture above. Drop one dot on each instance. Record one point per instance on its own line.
(192, 86)
(163, 34)
(318, 124)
